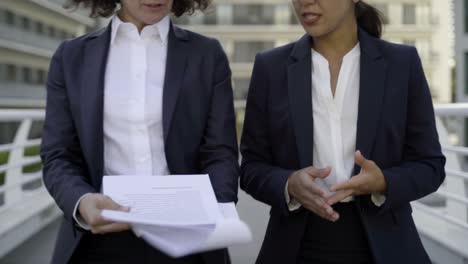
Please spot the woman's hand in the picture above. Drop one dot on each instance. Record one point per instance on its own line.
(302, 187)
(370, 180)
(90, 208)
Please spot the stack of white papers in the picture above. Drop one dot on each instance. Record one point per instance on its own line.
(178, 214)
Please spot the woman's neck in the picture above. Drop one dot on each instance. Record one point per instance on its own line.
(335, 45)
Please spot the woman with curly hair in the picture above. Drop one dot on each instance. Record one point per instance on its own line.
(139, 97)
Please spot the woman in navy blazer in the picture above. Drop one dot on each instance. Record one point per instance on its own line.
(196, 118)
(398, 156)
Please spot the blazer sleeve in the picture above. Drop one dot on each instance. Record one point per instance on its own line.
(63, 163)
(218, 150)
(422, 169)
(259, 177)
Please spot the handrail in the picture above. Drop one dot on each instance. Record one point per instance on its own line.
(33, 177)
(25, 162)
(445, 217)
(455, 173)
(456, 149)
(458, 109)
(454, 197)
(9, 115)
(30, 143)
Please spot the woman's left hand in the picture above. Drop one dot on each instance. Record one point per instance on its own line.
(370, 180)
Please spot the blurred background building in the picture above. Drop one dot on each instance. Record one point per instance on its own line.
(461, 58)
(246, 27)
(30, 31)
(461, 49)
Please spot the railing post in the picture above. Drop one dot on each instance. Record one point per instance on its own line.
(14, 175)
(453, 185)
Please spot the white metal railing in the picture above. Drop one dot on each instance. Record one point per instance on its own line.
(453, 210)
(455, 187)
(14, 177)
(26, 207)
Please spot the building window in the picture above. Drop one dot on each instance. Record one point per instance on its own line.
(241, 88)
(26, 75)
(51, 32)
(254, 14)
(409, 42)
(11, 73)
(39, 28)
(2, 16)
(2, 72)
(409, 14)
(41, 76)
(245, 51)
(466, 74)
(182, 20)
(466, 134)
(293, 19)
(210, 17)
(466, 15)
(9, 18)
(383, 9)
(25, 23)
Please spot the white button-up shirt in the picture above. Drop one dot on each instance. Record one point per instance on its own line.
(335, 121)
(335, 117)
(133, 92)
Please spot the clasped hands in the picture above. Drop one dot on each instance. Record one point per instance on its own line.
(303, 188)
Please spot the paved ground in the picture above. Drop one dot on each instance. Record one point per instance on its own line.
(39, 248)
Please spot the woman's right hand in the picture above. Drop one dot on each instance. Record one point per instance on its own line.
(90, 208)
(303, 188)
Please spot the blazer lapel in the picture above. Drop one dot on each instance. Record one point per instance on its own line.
(371, 95)
(300, 99)
(175, 71)
(92, 99)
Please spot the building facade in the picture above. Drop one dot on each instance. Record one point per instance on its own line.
(30, 32)
(246, 27)
(461, 49)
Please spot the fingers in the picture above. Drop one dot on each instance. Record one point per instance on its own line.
(326, 212)
(91, 210)
(339, 196)
(350, 184)
(109, 228)
(318, 173)
(95, 218)
(321, 208)
(107, 203)
(359, 159)
(315, 189)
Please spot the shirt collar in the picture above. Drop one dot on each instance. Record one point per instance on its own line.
(353, 53)
(161, 28)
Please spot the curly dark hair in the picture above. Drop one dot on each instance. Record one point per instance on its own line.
(106, 8)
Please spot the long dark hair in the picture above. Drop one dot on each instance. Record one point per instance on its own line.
(369, 18)
(106, 8)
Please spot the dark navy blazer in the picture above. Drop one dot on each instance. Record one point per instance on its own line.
(198, 121)
(396, 129)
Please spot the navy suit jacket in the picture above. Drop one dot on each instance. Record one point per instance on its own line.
(198, 121)
(396, 129)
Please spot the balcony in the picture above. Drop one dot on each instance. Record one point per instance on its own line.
(31, 42)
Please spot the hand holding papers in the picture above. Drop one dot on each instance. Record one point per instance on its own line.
(176, 214)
